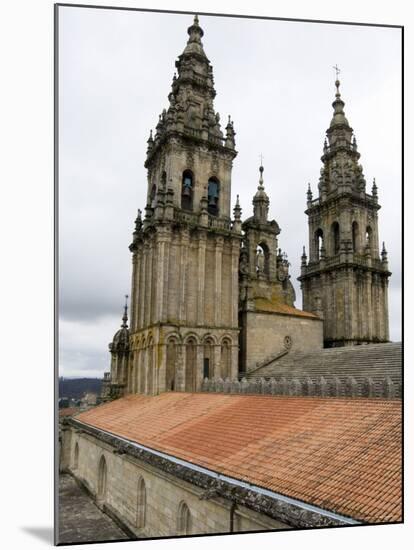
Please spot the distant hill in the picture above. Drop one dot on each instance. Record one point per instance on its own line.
(75, 388)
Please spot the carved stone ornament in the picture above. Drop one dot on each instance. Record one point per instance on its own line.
(287, 342)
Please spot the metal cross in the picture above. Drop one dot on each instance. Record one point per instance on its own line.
(337, 70)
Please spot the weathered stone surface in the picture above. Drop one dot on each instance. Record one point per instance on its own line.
(80, 520)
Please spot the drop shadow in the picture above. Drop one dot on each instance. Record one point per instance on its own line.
(43, 533)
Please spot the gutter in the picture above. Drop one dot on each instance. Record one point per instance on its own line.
(331, 518)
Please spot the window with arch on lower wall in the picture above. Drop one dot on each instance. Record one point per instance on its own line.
(141, 503)
(184, 519)
(102, 478)
(213, 196)
(171, 362)
(226, 359)
(208, 351)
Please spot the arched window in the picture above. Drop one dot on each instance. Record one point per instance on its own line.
(141, 503)
(190, 365)
(225, 359)
(171, 362)
(318, 243)
(213, 196)
(208, 359)
(102, 478)
(76, 456)
(355, 236)
(262, 259)
(184, 519)
(368, 237)
(335, 238)
(187, 190)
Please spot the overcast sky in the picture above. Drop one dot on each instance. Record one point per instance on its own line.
(275, 78)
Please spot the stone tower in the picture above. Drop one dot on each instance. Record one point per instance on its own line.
(346, 278)
(268, 320)
(185, 252)
(114, 383)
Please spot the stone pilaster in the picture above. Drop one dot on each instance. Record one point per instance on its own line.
(185, 242)
(202, 239)
(218, 280)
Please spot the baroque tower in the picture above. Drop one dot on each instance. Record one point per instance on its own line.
(185, 251)
(345, 280)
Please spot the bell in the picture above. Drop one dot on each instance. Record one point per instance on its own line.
(187, 192)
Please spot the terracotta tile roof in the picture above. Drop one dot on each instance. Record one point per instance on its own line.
(340, 454)
(262, 304)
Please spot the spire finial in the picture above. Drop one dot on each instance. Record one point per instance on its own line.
(337, 83)
(125, 316)
(237, 210)
(261, 170)
(195, 31)
(309, 195)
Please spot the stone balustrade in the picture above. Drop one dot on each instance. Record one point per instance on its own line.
(319, 387)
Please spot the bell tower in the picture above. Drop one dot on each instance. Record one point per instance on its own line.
(345, 280)
(185, 250)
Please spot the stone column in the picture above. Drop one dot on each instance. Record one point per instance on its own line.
(234, 360)
(216, 367)
(159, 282)
(217, 291)
(180, 369)
(370, 311)
(161, 366)
(384, 286)
(185, 242)
(234, 305)
(165, 296)
(142, 294)
(201, 277)
(148, 290)
(200, 366)
(134, 288)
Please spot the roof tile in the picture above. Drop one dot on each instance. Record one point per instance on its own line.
(340, 454)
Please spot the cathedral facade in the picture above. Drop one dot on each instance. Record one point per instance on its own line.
(211, 293)
(224, 412)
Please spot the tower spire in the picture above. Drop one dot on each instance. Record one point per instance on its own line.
(261, 200)
(338, 118)
(336, 238)
(125, 316)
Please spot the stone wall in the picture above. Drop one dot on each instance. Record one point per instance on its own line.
(268, 334)
(165, 495)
